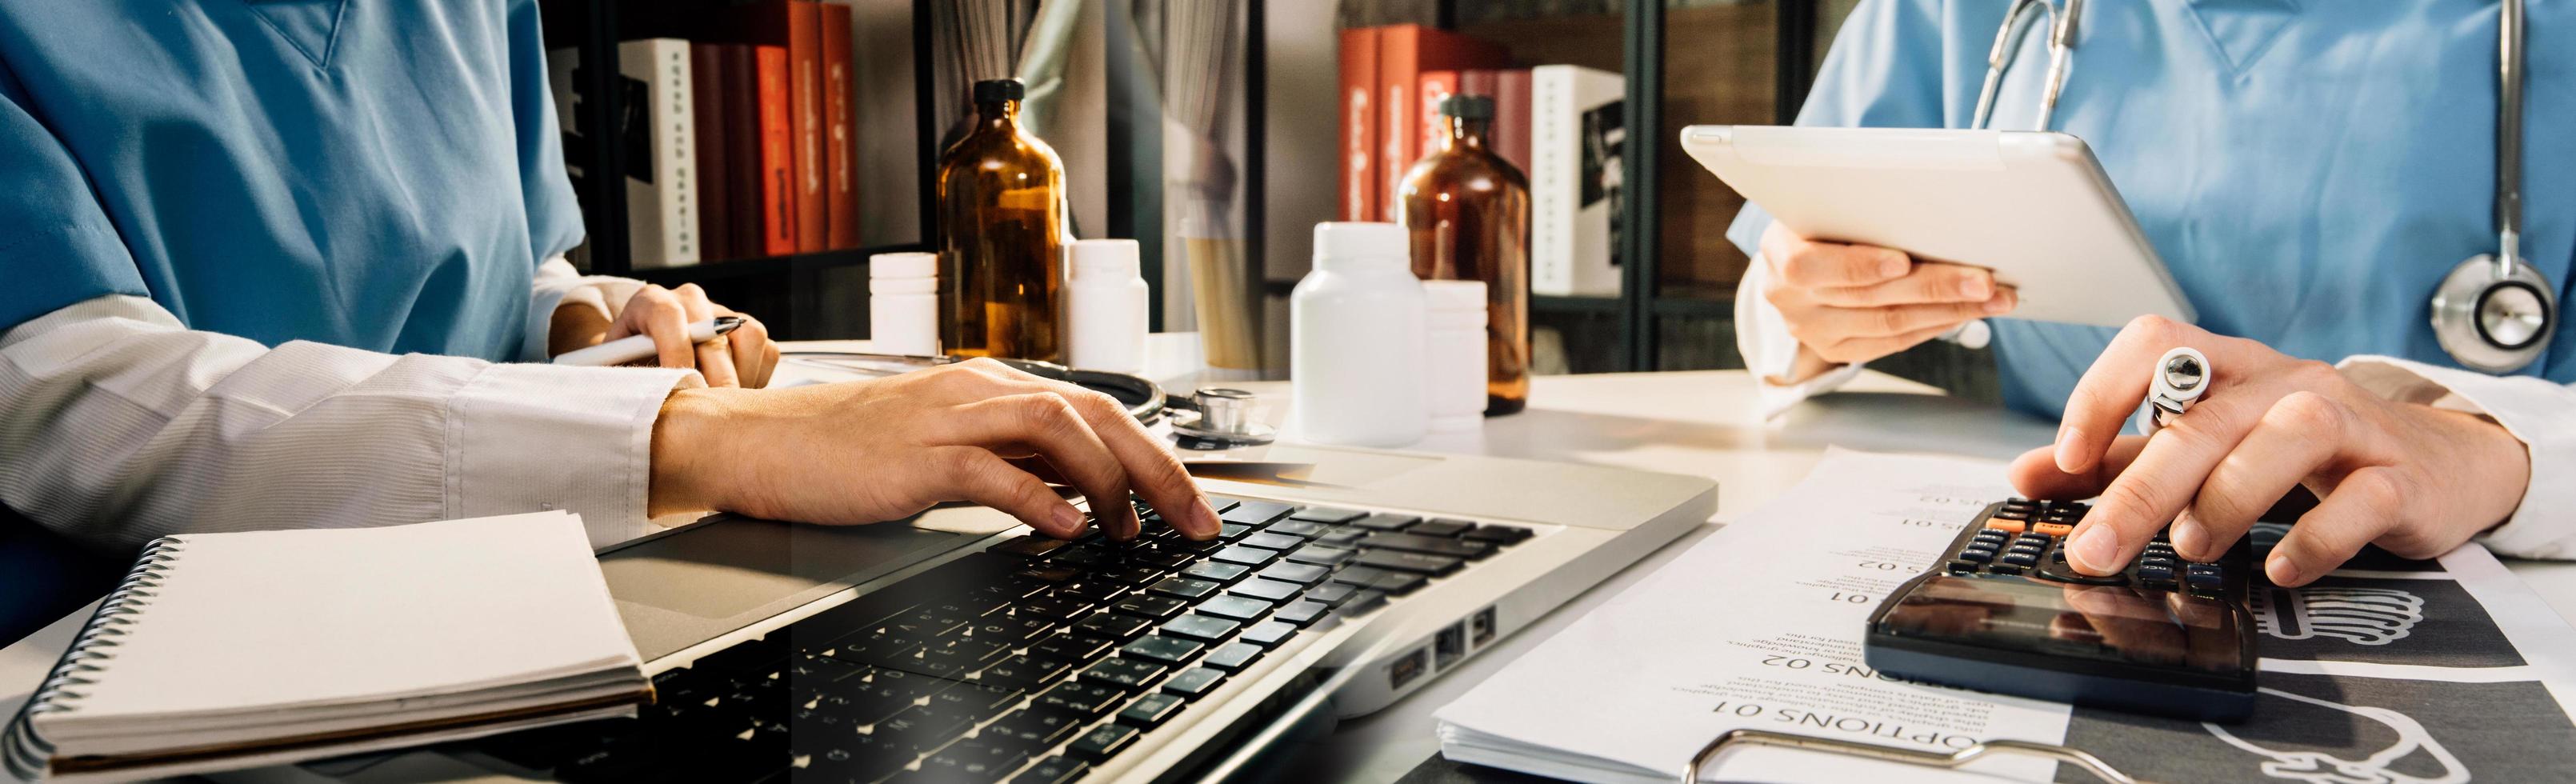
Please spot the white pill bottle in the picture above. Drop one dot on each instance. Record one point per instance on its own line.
(1105, 307)
(1355, 340)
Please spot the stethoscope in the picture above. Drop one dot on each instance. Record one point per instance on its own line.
(2494, 312)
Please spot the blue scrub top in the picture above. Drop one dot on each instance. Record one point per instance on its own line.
(2308, 171)
(381, 175)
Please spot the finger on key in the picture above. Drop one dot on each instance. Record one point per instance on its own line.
(2300, 436)
(984, 478)
(1049, 424)
(2155, 487)
(2360, 508)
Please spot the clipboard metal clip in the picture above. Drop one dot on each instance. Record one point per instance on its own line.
(2066, 754)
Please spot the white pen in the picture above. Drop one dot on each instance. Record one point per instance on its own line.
(635, 347)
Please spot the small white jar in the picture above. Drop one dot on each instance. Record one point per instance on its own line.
(1355, 340)
(1105, 307)
(903, 303)
(1456, 349)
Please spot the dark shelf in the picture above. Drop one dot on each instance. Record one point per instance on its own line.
(1553, 304)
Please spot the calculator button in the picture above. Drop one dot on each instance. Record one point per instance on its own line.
(2009, 513)
(2052, 529)
(1963, 566)
(2059, 572)
(2021, 558)
(1991, 538)
(2004, 568)
(2204, 576)
(2006, 526)
(2035, 539)
(1977, 554)
(2156, 574)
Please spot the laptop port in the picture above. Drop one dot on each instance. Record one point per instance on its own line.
(1447, 646)
(1404, 670)
(1483, 626)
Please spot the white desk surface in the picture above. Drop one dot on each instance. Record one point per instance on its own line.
(1699, 423)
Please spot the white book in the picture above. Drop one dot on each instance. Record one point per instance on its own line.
(1576, 134)
(234, 650)
(661, 203)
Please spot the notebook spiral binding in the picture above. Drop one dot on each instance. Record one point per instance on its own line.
(118, 611)
(21, 751)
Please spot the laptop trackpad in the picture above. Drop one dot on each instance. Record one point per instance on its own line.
(708, 579)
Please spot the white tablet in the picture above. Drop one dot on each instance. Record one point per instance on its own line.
(2032, 206)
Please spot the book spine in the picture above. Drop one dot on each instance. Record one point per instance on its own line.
(715, 189)
(743, 147)
(1551, 213)
(805, 83)
(1600, 139)
(1431, 89)
(1398, 69)
(1512, 116)
(841, 222)
(661, 176)
(777, 153)
(1359, 124)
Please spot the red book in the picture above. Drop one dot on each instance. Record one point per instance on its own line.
(1431, 89)
(1359, 192)
(777, 153)
(1511, 136)
(805, 83)
(746, 213)
(715, 192)
(1404, 53)
(841, 200)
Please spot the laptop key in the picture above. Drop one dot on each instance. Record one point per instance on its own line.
(1124, 674)
(1165, 650)
(1441, 528)
(1301, 574)
(1112, 626)
(1434, 565)
(1417, 543)
(1326, 556)
(1187, 587)
(1386, 522)
(1025, 672)
(1298, 528)
(1327, 515)
(1267, 590)
(1302, 612)
(1498, 534)
(1398, 583)
(1028, 546)
(1358, 575)
(1058, 769)
(1056, 610)
(1150, 710)
(1362, 602)
(1270, 541)
(1248, 556)
(1035, 726)
(1204, 628)
(1254, 512)
(1194, 682)
(1011, 630)
(1234, 608)
(1228, 532)
(1103, 741)
(1269, 634)
(1341, 537)
(1084, 698)
(922, 729)
(977, 703)
(969, 760)
(1217, 571)
(1150, 607)
(1233, 656)
(1073, 648)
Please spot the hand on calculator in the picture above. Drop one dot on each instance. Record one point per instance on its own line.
(2410, 478)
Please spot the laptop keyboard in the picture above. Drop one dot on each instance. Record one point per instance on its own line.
(1029, 662)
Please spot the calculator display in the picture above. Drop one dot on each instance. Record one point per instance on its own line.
(2106, 622)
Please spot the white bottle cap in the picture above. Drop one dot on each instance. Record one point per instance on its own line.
(1351, 246)
(1104, 259)
(903, 265)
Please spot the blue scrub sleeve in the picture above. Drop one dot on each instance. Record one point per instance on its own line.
(57, 246)
(554, 215)
(1887, 68)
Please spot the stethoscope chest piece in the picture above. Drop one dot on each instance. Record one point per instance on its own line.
(2490, 322)
(1222, 420)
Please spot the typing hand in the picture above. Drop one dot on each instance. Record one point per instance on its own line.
(2413, 479)
(1854, 303)
(742, 358)
(888, 448)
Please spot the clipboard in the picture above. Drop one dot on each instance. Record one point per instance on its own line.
(2020, 748)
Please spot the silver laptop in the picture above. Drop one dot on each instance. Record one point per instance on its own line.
(963, 648)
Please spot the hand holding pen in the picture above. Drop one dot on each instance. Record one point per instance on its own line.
(679, 328)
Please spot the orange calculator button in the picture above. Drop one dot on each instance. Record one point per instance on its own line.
(2007, 526)
(2052, 529)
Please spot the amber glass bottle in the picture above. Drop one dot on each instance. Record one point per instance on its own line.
(1001, 235)
(1468, 211)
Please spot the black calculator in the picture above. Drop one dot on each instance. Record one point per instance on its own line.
(2002, 611)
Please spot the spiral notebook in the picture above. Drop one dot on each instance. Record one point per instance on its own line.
(233, 650)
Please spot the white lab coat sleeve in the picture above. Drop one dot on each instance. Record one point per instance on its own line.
(559, 284)
(118, 425)
(2541, 413)
(1762, 335)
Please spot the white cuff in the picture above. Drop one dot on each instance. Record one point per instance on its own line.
(558, 284)
(526, 437)
(2541, 413)
(1762, 335)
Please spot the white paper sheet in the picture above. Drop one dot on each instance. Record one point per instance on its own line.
(1759, 626)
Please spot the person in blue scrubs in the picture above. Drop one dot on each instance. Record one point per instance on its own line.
(296, 263)
(2309, 173)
